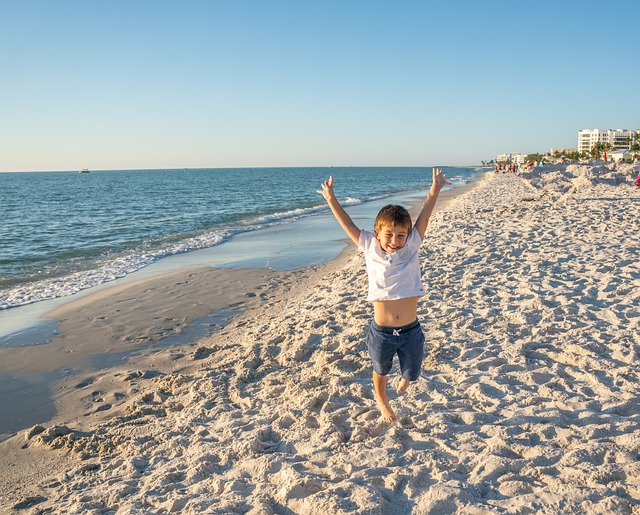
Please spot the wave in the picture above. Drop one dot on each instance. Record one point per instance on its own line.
(117, 268)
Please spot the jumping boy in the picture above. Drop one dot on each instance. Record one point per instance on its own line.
(393, 268)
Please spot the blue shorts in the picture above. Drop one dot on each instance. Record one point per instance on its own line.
(407, 342)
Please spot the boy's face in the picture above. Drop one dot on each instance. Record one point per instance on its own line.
(392, 237)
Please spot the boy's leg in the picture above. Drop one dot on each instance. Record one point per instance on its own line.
(380, 386)
(410, 355)
(381, 350)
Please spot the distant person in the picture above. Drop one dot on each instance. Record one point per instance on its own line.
(393, 267)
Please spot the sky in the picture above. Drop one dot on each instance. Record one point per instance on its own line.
(140, 84)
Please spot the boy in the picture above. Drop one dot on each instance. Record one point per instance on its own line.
(391, 256)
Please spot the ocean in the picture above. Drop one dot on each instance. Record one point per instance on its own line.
(63, 232)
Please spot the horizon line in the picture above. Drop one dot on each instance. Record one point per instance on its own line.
(239, 168)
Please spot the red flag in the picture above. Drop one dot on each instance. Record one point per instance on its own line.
(605, 156)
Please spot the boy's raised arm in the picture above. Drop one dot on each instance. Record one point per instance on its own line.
(439, 181)
(341, 215)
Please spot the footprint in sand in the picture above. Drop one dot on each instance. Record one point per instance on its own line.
(86, 382)
(29, 502)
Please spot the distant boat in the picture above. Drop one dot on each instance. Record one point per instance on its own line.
(84, 170)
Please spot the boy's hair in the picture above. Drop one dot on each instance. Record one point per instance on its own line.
(392, 215)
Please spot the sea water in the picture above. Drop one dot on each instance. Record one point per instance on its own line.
(64, 232)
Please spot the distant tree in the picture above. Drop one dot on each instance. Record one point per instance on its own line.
(597, 150)
(534, 157)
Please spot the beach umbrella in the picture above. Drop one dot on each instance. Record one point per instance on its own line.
(605, 156)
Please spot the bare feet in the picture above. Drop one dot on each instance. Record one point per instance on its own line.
(385, 410)
(404, 384)
(380, 387)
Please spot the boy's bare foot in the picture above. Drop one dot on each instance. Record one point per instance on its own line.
(404, 384)
(380, 388)
(385, 410)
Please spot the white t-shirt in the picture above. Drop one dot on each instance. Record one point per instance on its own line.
(392, 276)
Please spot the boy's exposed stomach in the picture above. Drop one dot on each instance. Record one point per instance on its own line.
(395, 313)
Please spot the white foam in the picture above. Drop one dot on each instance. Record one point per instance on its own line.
(124, 265)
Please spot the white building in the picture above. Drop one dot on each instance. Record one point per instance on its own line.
(513, 157)
(616, 138)
(621, 155)
(518, 158)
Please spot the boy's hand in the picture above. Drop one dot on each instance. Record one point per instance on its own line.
(341, 215)
(327, 189)
(439, 179)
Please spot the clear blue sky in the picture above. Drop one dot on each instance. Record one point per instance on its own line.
(161, 84)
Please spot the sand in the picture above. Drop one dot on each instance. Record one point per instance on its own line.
(529, 400)
(144, 322)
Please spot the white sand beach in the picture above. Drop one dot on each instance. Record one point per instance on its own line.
(528, 402)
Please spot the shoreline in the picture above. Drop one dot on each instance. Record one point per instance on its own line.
(528, 398)
(153, 325)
